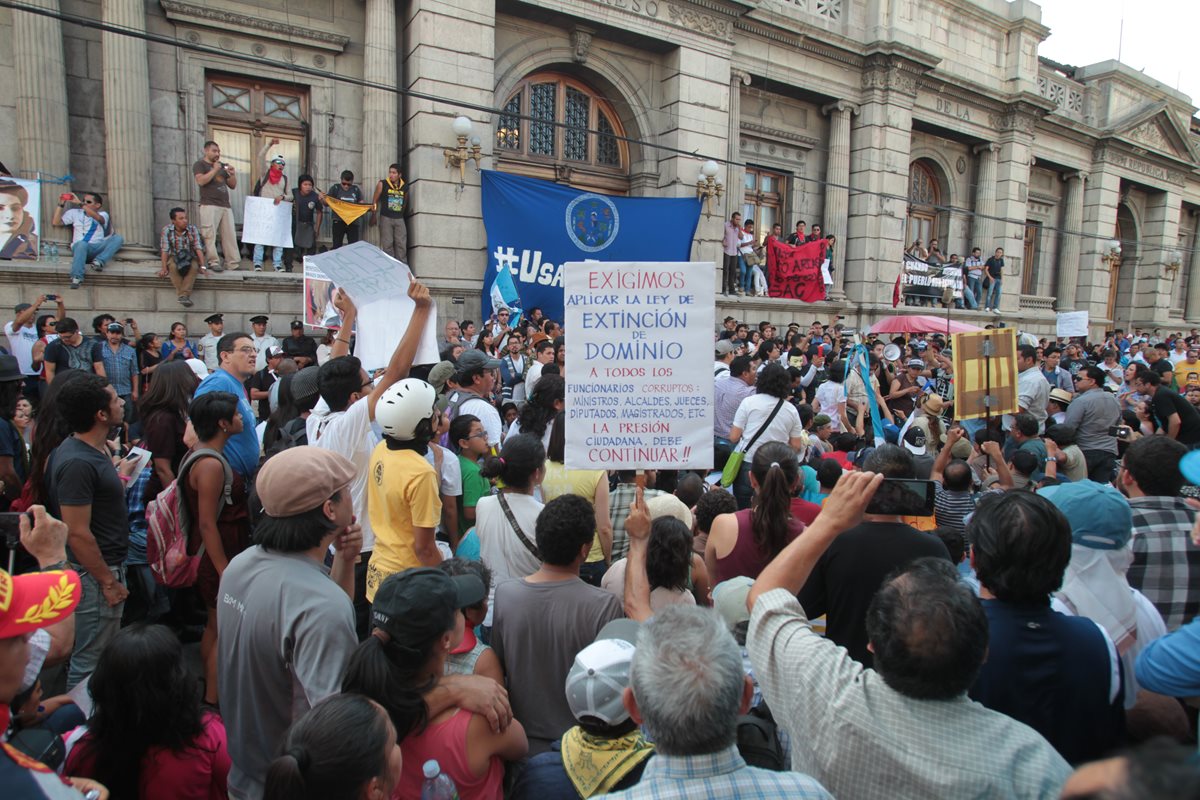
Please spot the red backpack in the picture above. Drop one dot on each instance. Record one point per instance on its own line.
(169, 524)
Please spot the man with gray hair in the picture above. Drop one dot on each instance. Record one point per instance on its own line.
(687, 688)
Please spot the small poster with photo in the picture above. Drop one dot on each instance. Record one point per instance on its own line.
(20, 219)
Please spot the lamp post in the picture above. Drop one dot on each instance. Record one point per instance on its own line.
(459, 156)
(708, 188)
(1173, 263)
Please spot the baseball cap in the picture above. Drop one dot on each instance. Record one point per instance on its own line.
(297, 325)
(477, 359)
(961, 449)
(1189, 465)
(408, 601)
(198, 367)
(914, 440)
(274, 351)
(729, 599)
(1100, 516)
(300, 479)
(440, 373)
(916, 362)
(115, 327)
(821, 420)
(304, 385)
(723, 348)
(36, 600)
(278, 159)
(600, 674)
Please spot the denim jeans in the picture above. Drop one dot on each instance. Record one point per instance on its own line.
(968, 299)
(96, 623)
(993, 295)
(276, 256)
(975, 285)
(745, 281)
(100, 252)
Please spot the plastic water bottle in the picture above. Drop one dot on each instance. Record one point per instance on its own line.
(54, 252)
(437, 786)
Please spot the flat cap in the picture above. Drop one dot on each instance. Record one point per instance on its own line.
(300, 479)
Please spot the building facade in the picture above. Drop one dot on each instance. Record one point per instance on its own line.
(882, 121)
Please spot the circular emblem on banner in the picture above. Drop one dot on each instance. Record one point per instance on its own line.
(592, 222)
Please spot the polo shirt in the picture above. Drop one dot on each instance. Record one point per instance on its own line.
(242, 449)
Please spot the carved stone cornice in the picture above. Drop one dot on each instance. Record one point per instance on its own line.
(704, 24)
(1111, 153)
(892, 72)
(777, 133)
(767, 32)
(228, 21)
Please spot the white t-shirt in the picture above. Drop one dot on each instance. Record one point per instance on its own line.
(533, 376)
(499, 546)
(1177, 357)
(515, 430)
(753, 412)
(20, 344)
(829, 396)
(349, 433)
(488, 416)
(82, 223)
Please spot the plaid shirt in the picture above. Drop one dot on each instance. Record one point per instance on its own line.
(120, 367)
(716, 776)
(619, 501)
(862, 738)
(1166, 565)
(172, 241)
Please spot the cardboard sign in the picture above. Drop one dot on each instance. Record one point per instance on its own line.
(1071, 323)
(639, 371)
(266, 222)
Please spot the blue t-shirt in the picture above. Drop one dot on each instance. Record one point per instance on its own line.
(242, 449)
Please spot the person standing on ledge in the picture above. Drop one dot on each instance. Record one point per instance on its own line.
(391, 204)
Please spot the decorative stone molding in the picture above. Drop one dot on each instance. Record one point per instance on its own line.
(1151, 134)
(1110, 155)
(808, 142)
(1033, 302)
(1018, 117)
(840, 105)
(765, 32)
(884, 71)
(782, 153)
(581, 42)
(1067, 99)
(991, 147)
(227, 21)
(701, 23)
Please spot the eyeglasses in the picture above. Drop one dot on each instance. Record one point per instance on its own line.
(246, 350)
(480, 435)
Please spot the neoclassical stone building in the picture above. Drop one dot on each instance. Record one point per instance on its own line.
(884, 121)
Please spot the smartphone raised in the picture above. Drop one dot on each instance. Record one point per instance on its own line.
(907, 497)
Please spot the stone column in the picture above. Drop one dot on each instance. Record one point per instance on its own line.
(735, 174)
(381, 118)
(983, 224)
(880, 148)
(127, 148)
(1101, 196)
(1160, 237)
(1015, 137)
(1192, 258)
(43, 130)
(1071, 241)
(837, 189)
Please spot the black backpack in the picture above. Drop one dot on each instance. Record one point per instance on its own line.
(758, 739)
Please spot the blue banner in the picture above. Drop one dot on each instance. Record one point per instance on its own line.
(534, 227)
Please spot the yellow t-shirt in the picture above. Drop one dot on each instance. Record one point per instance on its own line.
(402, 493)
(559, 481)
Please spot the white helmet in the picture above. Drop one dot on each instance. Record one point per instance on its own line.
(404, 404)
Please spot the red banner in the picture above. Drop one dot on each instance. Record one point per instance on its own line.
(794, 271)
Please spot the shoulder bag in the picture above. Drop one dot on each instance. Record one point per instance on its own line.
(733, 466)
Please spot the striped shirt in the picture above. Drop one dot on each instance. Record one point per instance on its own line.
(723, 775)
(950, 507)
(861, 738)
(1166, 565)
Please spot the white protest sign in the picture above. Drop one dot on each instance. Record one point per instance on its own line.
(378, 285)
(318, 309)
(363, 270)
(1071, 323)
(639, 375)
(267, 223)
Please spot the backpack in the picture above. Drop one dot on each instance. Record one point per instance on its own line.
(758, 739)
(169, 523)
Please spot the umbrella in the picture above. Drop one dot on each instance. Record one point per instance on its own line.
(921, 323)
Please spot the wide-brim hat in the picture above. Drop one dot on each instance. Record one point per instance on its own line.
(933, 404)
(10, 370)
(1061, 396)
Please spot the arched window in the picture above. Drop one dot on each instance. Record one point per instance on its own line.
(924, 198)
(582, 150)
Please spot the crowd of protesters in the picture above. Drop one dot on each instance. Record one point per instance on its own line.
(394, 580)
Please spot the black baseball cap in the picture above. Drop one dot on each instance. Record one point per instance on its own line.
(407, 602)
(115, 327)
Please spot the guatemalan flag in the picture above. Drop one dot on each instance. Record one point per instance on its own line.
(504, 295)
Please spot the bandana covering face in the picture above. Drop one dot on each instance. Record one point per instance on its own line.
(275, 173)
(596, 765)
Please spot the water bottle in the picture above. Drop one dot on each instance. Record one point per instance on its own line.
(54, 252)
(437, 786)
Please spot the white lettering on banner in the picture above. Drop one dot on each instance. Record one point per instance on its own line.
(639, 387)
(919, 274)
(528, 267)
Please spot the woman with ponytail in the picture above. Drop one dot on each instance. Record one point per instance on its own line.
(745, 542)
(505, 521)
(418, 621)
(538, 413)
(344, 748)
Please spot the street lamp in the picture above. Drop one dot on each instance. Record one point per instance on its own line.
(459, 156)
(708, 188)
(1112, 254)
(1174, 262)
